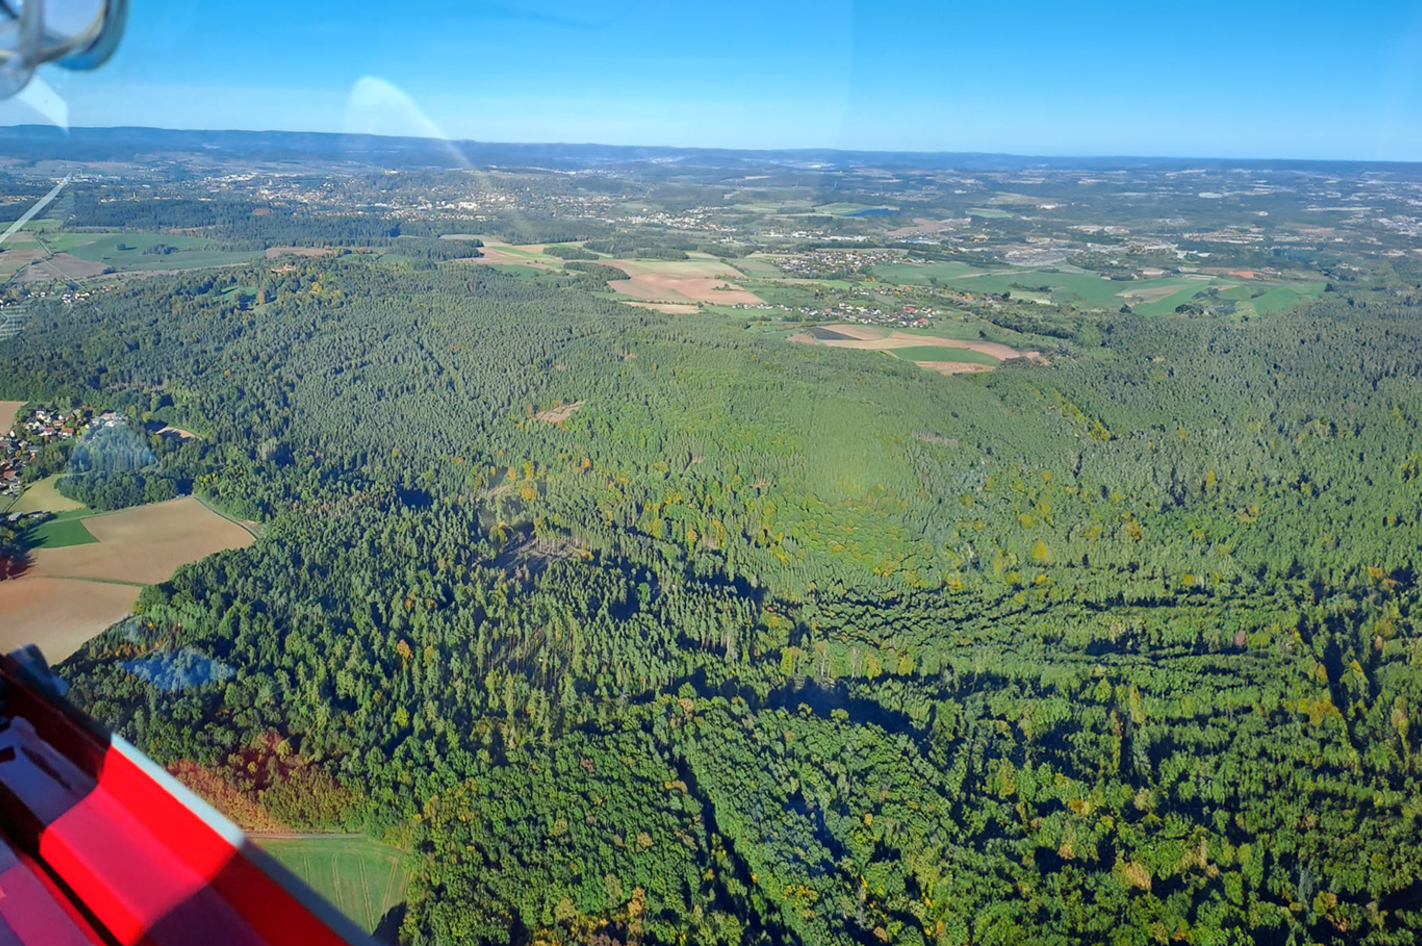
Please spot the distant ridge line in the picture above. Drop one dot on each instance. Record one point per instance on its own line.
(54, 143)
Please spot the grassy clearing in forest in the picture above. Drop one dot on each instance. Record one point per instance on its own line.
(363, 878)
(939, 353)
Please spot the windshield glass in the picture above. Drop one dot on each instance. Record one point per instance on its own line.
(744, 474)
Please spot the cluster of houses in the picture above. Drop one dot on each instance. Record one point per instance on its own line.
(908, 317)
(43, 425)
(820, 264)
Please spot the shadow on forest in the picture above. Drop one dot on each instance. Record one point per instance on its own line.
(388, 930)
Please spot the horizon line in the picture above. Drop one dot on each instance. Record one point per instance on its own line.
(812, 149)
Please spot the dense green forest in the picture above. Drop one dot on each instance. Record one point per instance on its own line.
(656, 629)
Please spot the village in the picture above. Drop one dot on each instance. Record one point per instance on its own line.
(36, 428)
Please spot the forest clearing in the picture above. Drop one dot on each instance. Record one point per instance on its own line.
(873, 338)
(669, 308)
(558, 414)
(363, 878)
(953, 367)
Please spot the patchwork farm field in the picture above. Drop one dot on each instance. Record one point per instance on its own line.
(684, 290)
(363, 878)
(76, 586)
(144, 544)
(1152, 297)
(672, 286)
(700, 279)
(497, 253)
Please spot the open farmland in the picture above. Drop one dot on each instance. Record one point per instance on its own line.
(58, 614)
(701, 279)
(922, 274)
(648, 287)
(16, 258)
(62, 266)
(73, 592)
(873, 338)
(504, 254)
(953, 367)
(145, 543)
(945, 353)
(1152, 297)
(60, 533)
(9, 413)
(80, 255)
(363, 878)
(697, 267)
(44, 496)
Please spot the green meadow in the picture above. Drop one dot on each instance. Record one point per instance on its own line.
(943, 353)
(128, 250)
(65, 530)
(921, 274)
(363, 878)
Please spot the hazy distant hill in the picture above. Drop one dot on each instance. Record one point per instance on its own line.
(40, 142)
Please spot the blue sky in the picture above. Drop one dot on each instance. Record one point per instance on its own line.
(1211, 78)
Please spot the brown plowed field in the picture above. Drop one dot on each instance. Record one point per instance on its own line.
(70, 594)
(143, 544)
(492, 254)
(61, 266)
(953, 367)
(671, 308)
(683, 289)
(59, 615)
